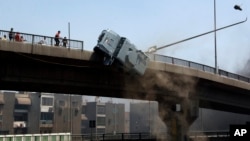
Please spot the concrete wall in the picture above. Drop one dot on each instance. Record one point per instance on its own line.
(115, 118)
(8, 110)
(64, 119)
(61, 114)
(34, 113)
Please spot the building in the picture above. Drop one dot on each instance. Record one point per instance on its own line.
(18, 115)
(108, 117)
(115, 118)
(95, 111)
(84, 119)
(32, 113)
(46, 113)
(144, 118)
(67, 113)
(127, 122)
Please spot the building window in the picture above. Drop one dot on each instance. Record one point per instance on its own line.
(61, 103)
(47, 101)
(46, 116)
(22, 107)
(100, 121)
(100, 130)
(100, 109)
(20, 116)
(74, 104)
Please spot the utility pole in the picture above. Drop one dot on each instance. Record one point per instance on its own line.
(215, 40)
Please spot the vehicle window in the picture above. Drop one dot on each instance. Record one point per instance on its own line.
(100, 37)
(109, 42)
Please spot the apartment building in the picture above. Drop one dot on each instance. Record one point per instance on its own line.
(95, 111)
(84, 119)
(115, 118)
(26, 112)
(109, 117)
(46, 113)
(62, 112)
(18, 115)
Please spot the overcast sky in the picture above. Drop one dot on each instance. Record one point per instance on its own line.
(144, 22)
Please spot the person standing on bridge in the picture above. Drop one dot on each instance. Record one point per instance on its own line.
(4, 38)
(11, 34)
(43, 41)
(57, 36)
(64, 41)
(17, 37)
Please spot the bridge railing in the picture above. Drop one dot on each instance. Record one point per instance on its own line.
(209, 135)
(116, 137)
(49, 41)
(37, 137)
(205, 68)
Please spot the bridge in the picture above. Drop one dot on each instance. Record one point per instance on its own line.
(29, 66)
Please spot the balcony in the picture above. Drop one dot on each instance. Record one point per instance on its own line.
(46, 123)
(20, 124)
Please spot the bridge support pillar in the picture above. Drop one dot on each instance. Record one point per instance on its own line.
(178, 117)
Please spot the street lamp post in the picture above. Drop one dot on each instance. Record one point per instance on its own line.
(215, 40)
(236, 7)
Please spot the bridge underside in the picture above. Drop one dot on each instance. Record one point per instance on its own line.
(26, 72)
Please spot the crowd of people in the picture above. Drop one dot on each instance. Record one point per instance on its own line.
(15, 36)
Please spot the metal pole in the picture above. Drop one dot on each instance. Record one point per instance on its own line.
(149, 118)
(70, 115)
(70, 105)
(115, 118)
(69, 33)
(215, 40)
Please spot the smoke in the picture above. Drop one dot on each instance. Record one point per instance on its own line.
(167, 89)
(246, 70)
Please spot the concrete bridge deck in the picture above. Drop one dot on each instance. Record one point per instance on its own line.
(84, 55)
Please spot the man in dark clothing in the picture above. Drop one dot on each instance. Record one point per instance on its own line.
(57, 36)
(64, 41)
(11, 34)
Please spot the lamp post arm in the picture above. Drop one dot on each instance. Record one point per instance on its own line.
(155, 49)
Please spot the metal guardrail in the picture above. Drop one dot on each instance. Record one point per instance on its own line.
(205, 68)
(37, 137)
(35, 39)
(117, 136)
(80, 137)
(210, 135)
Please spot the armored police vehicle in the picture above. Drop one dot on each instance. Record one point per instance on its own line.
(113, 47)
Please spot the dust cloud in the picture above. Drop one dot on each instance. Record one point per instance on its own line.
(246, 70)
(167, 89)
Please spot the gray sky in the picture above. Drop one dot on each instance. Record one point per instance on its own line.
(144, 22)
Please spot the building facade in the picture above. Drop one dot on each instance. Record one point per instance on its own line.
(115, 118)
(32, 113)
(144, 118)
(95, 111)
(108, 117)
(18, 113)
